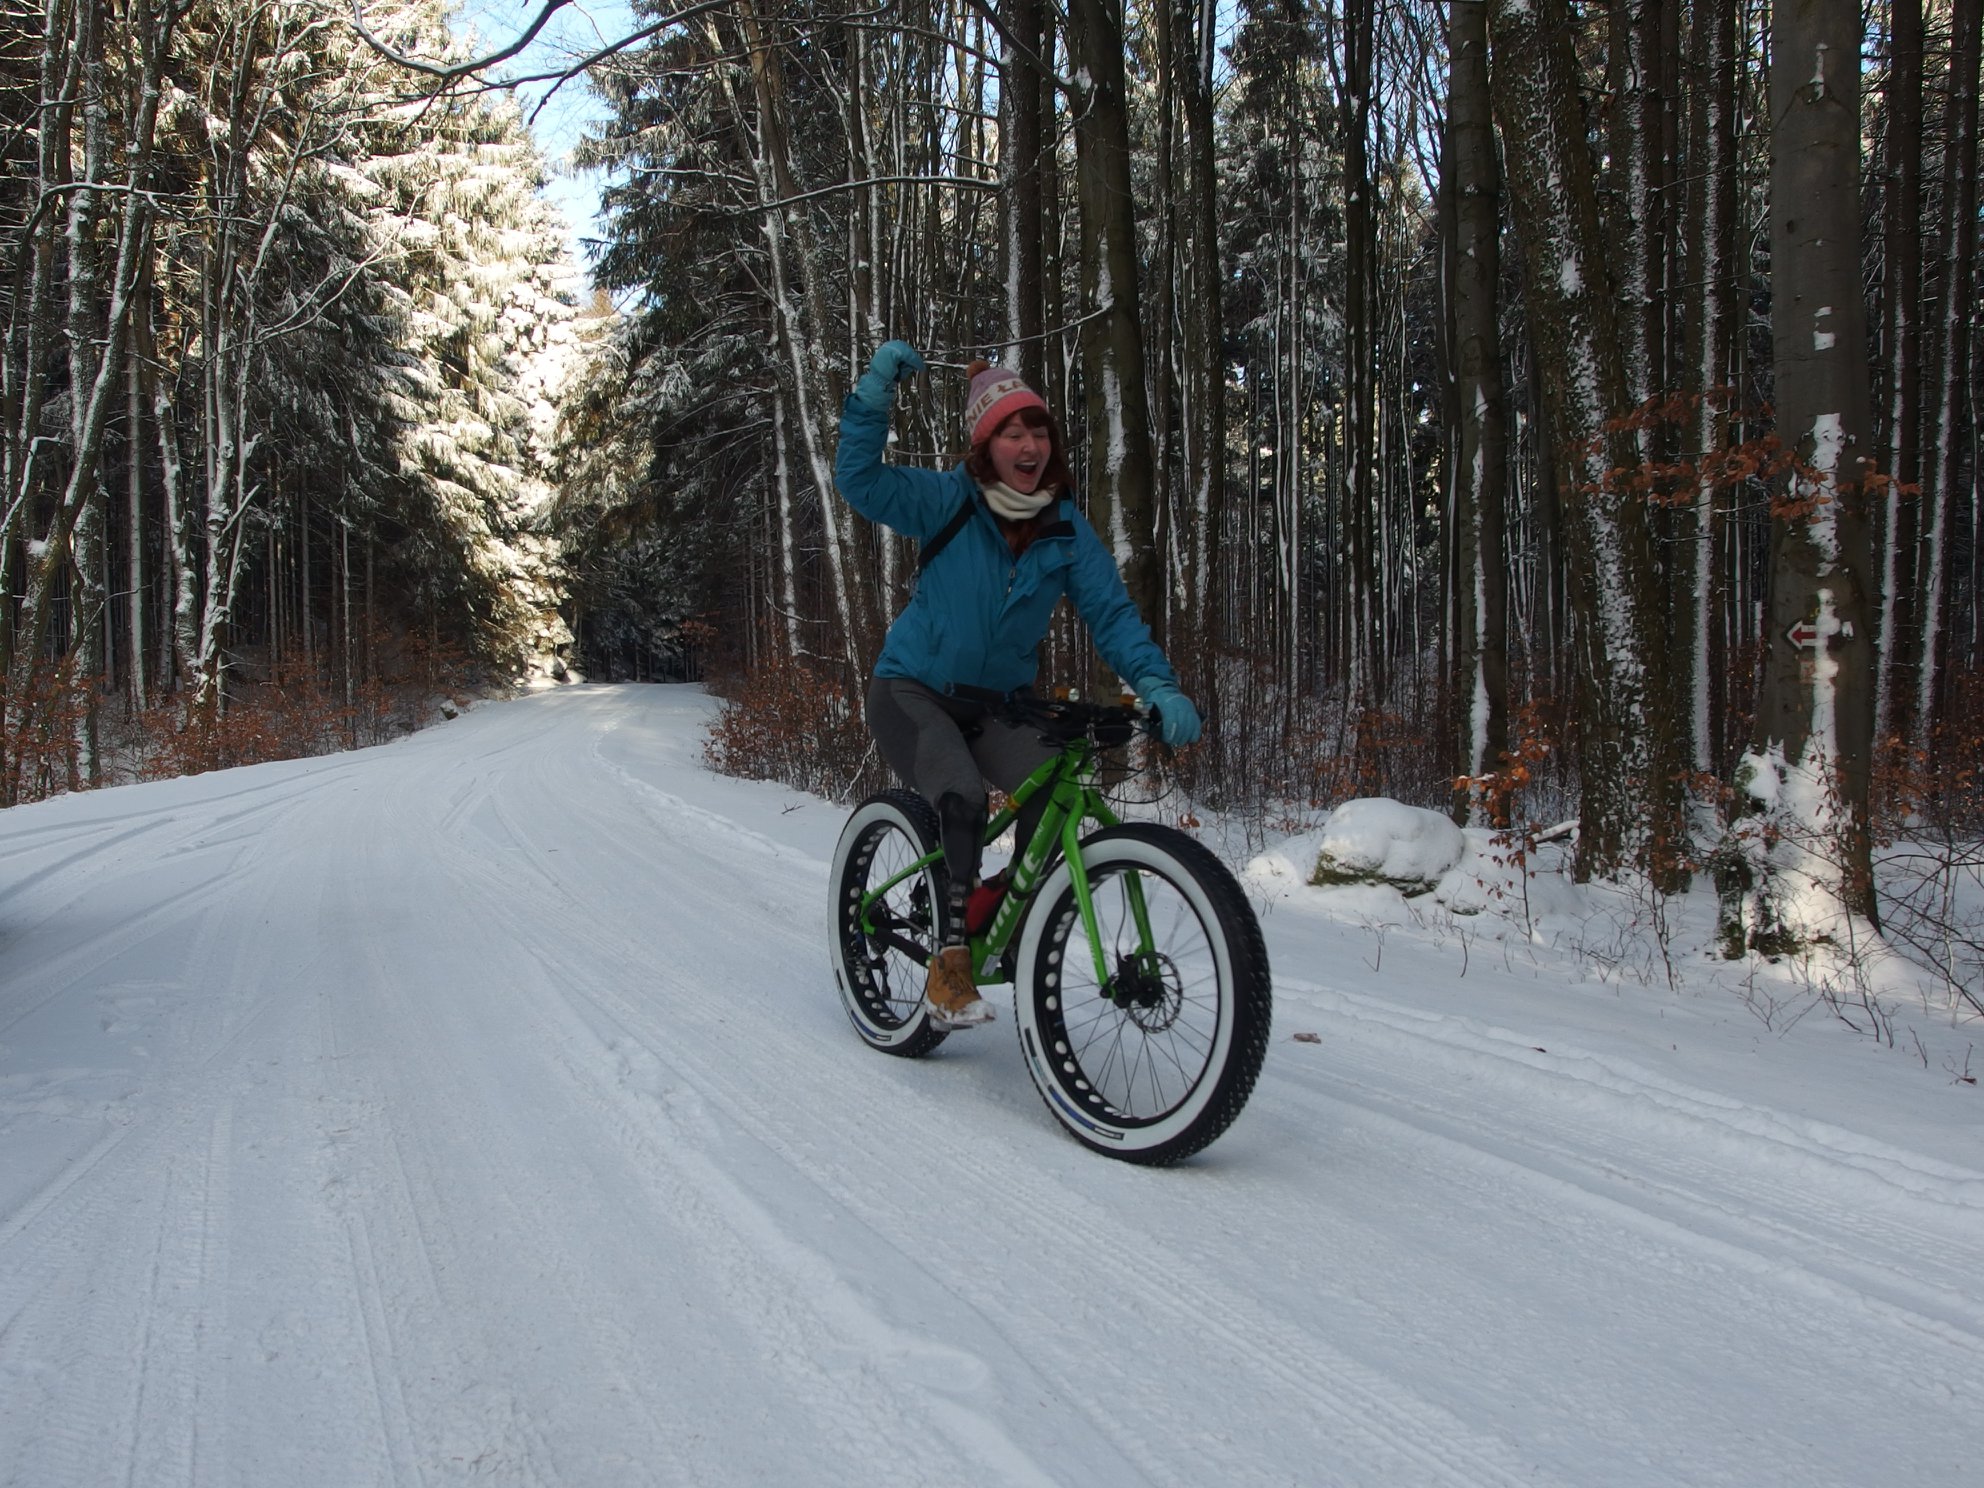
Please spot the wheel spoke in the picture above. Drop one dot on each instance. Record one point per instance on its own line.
(1144, 1048)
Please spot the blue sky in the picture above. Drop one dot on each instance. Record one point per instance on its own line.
(575, 31)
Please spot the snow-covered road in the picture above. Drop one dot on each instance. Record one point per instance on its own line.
(480, 1108)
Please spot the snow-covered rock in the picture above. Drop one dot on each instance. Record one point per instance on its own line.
(1376, 840)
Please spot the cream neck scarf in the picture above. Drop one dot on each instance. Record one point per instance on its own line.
(1015, 506)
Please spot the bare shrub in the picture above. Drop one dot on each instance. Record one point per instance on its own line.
(275, 711)
(40, 732)
(1929, 844)
(797, 723)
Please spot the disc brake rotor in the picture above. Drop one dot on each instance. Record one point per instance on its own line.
(1148, 989)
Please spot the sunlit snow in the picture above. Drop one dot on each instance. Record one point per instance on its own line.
(480, 1108)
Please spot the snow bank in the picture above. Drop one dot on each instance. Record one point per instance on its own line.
(1484, 878)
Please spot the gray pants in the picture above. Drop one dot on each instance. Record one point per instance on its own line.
(943, 747)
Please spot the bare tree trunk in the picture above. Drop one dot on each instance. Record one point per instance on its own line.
(1709, 375)
(303, 586)
(864, 275)
(1550, 633)
(88, 591)
(1953, 409)
(1162, 269)
(801, 321)
(182, 533)
(26, 372)
(1482, 457)
(1120, 488)
(135, 673)
(230, 332)
(1627, 807)
(784, 562)
(1808, 768)
(1628, 186)
(1202, 359)
(1900, 506)
(1366, 683)
(1027, 101)
(89, 596)
(97, 349)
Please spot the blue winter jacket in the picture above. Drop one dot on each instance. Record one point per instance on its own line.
(979, 614)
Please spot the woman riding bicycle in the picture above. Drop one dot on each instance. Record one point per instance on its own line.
(1002, 542)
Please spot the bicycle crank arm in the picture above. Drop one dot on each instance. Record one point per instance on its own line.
(886, 938)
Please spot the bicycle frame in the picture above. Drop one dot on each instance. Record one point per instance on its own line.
(1073, 800)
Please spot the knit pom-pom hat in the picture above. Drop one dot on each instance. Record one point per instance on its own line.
(996, 395)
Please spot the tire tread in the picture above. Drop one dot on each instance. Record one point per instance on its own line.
(1253, 998)
(923, 818)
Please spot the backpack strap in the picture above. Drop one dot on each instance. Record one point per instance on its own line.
(1063, 526)
(945, 533)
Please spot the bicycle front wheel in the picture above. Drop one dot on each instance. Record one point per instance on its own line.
(881, 964)
(1154, 1058)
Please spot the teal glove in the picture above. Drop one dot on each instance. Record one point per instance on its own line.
(893, 361)
(1177, 719)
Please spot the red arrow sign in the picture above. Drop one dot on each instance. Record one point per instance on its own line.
(1803, 634)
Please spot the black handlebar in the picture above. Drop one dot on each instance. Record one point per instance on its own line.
(1062, 719)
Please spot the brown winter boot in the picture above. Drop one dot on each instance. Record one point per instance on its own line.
(951, 993)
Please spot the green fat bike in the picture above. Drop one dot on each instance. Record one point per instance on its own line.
(1140, 980)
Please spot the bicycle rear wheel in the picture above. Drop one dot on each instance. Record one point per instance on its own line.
(881, 969)
(1154, 1061)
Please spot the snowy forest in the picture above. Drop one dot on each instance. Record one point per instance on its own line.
(284, 337)
(1543, 412)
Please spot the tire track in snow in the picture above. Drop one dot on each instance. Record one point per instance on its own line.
(817, 1308)
(115, 835)
(1402, 1439)
(185, 1307)
(1898, 1246)
(76, 899)
(407, 1220)
(171, 1158)
(133, 1378)
(618, 1070)
(63, 1407)
(449, 1171)
(141, 1111)
(108, 811)
(80, 1228)
(1882, 1170)
(63, 1181)
(1452, 1154)
(395, 1419)
(69, 969)
(1413, 1438)
(775, 1284)
(354, 1186)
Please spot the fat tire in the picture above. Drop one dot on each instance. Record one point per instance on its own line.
(1243, 994)
(876, 1016)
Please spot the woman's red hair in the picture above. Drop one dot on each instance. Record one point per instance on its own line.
(1056, 476)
